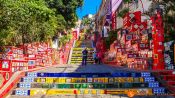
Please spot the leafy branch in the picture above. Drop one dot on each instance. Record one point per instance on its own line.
(123, 12)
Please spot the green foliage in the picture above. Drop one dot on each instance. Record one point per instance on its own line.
(64, 39)
(25, 21)
(127, 1)
(111, 38)
(123, 12)
(169, 34)
(67, 8)
(86, 21)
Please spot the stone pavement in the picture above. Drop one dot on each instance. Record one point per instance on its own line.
(91, 68)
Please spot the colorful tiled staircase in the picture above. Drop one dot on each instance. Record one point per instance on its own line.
(142, 84)
(77, 56)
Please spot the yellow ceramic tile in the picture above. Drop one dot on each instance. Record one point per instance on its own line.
(49, 80)
(62, 91)
(62, 80)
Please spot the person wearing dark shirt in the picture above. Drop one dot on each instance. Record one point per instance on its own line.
(99, 55)
(84, 56)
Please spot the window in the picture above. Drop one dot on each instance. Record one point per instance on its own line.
(5, 64)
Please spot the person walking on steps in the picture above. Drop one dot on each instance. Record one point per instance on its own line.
(94, 57)
(84, 56)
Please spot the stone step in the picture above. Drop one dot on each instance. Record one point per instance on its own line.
(81, 62)
(80, 52)
(80, 59)
(145, 75)
(90, 61)
(80, 55)
(80, 49)
(143, 91)
(86, 80)
(48, 79)
(72, 96)
(88, 85)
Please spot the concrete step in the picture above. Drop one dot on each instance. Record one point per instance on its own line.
(89, 55)
(80, 49)
(89, 96)
(80, 59)
(70, 96)
(122, 73)
(88, 63)
(80, 52)
(86, 85)
(31, 92)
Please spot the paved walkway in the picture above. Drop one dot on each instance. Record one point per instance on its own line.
(91, 68)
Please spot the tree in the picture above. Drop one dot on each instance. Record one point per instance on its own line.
(168, 16)
(67, 8)
(25, 21)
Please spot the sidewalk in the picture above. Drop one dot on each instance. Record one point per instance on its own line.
(90, 68)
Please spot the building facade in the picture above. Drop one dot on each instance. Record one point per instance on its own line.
(133, 5)
(103, 16)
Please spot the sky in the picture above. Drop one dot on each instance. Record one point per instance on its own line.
(89, 7)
